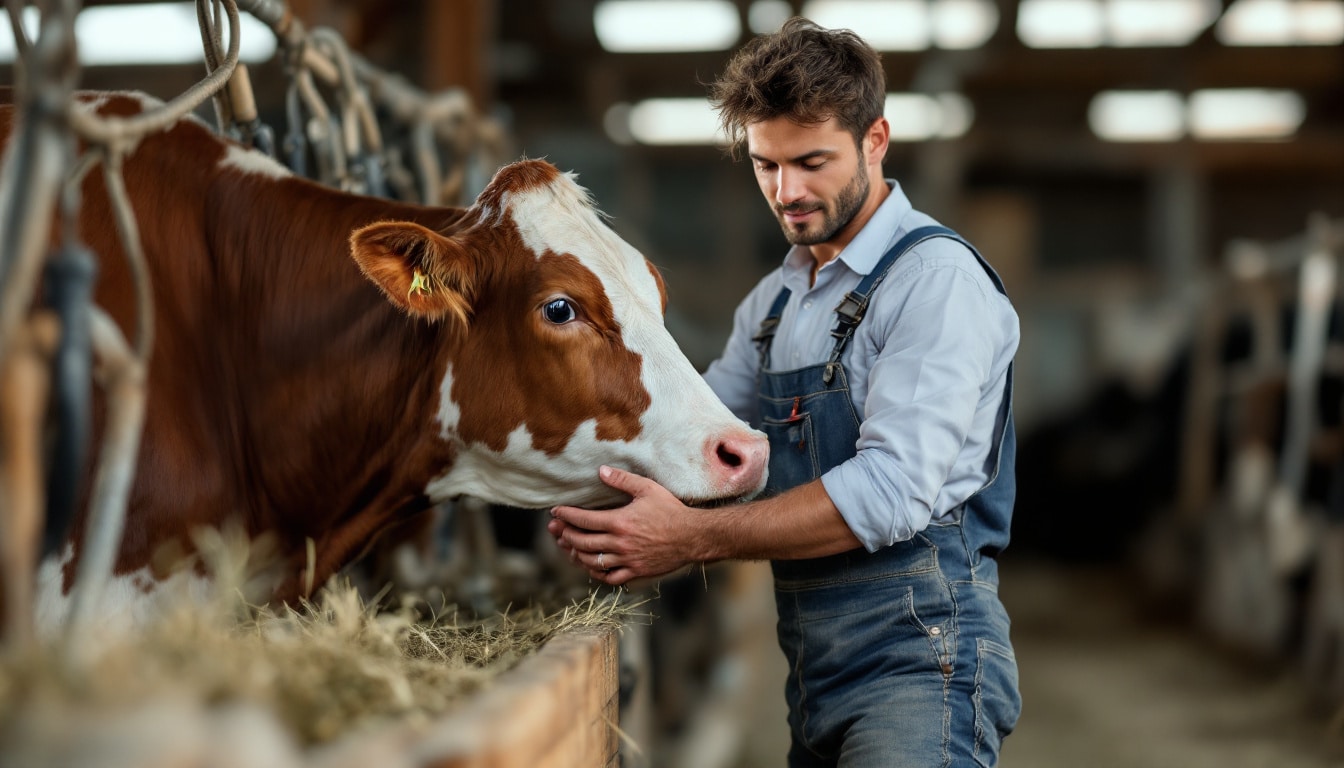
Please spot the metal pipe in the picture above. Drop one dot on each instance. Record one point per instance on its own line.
(69, 284)
(125, 376)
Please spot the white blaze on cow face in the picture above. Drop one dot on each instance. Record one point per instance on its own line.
(689, 441)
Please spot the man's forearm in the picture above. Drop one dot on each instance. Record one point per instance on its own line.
(800, 523)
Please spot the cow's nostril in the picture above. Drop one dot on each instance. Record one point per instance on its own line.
(728, 457)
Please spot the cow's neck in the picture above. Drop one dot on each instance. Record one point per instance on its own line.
(319, 346)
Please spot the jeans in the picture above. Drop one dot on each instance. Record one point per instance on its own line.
(897, 658)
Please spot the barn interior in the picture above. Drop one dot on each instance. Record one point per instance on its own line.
(1161, 185)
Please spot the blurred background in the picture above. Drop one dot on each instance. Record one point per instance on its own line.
(1161, 185)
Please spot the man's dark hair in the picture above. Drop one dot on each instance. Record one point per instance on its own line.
(805, 73)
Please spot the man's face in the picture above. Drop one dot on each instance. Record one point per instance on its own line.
(812, 176)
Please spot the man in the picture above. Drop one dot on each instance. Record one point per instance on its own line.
(878, 360)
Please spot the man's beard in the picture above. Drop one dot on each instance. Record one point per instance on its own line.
(847, 205)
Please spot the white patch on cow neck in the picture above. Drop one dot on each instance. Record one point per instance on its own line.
(519, 475)
(522, 476)
(252, 161)
(128, 601)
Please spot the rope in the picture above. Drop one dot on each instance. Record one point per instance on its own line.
(124, 374)
(213, 45)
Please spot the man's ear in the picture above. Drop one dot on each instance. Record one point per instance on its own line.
(426, 274)
(879, 136)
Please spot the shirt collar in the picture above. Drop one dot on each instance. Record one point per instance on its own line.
(867, 247)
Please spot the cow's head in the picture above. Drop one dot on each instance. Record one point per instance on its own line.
(557, 357)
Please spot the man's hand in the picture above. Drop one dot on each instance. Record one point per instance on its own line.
(653, 535)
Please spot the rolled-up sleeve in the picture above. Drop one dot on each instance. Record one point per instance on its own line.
(937, 341)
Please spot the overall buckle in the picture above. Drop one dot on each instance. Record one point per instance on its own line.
(851, 310)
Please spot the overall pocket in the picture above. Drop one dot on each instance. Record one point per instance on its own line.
(997, 699)
(793, 452)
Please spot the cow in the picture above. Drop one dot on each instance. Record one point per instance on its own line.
(327, 365)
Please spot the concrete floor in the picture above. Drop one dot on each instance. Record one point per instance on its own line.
(1104, 688)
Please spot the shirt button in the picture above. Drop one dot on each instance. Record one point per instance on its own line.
(807, 304)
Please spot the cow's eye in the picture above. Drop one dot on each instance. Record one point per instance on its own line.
(559, 311)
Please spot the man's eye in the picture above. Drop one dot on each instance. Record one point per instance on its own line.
(559, 311)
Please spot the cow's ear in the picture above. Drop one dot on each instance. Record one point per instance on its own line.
(426, 274)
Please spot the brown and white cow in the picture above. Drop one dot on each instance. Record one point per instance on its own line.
(326, 365)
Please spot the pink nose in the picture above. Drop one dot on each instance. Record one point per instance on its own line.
(738, 462)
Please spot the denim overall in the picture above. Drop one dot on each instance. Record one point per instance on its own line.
(899, 657)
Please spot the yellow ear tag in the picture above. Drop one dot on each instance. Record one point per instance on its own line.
(419, 284)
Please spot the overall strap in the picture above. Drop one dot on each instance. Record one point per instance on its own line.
(851, 309)
(766, 333)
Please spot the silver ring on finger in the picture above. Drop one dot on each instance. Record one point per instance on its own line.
(600, 562)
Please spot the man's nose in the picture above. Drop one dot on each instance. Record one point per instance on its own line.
(791, 188)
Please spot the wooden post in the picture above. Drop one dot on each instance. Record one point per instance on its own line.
(25, 384)
(456, 36)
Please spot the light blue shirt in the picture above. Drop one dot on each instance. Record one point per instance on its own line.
(926, 367)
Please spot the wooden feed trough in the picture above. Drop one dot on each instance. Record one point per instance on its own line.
(556, 709)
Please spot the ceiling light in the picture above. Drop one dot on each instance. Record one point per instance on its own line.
(963, 24)
(1282, 22)
(1137, 115)
(913, 116)
(887, 25)
(920, 117)
(1093, 23)
(1061, 23)
(1245, 113)
(1257, 22)
(956, 116)
(116, 34)
(616, 122)
(766, 16)
(645, 26)
(689, 121)
(1158, 22)
(692, 121)
(1319, 22)
(29, 19)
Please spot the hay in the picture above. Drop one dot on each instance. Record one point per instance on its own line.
(329, 668)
